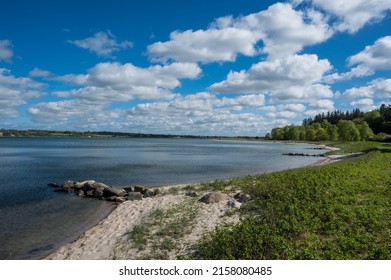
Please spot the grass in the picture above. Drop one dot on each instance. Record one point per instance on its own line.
(337, 211)
(159, 233)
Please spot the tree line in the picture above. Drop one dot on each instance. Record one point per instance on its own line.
(339, 126)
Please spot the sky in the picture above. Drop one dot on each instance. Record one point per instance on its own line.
(228, 68)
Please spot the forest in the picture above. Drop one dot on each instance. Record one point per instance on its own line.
(339, 126)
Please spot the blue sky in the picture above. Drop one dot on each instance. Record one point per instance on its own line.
(235, 67)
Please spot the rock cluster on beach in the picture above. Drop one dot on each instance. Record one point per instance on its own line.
(98, 190)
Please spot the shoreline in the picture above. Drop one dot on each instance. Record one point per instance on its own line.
(101, 240)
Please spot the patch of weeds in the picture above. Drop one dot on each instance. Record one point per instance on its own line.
(159, 234)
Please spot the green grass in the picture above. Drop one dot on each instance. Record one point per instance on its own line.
(337, 211)
(158, 234)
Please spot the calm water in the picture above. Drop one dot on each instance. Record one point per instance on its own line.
(34, 220)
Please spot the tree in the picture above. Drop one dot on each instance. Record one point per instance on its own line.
(348, 131)
(374, 120)
(366, 132)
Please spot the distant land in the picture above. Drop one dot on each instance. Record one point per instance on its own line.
(107, 134)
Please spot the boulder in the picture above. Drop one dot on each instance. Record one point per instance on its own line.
(234, 204)
(148, 193)
(89, 193)
(80, 193)
(241, 197)
(68, 184)
(109, 191)
(120, 199)
(134, 196)
(100, 186)
(214, 197)
(128, 189)
(139, 189)
(79, 185)
(111, 198)
(98, 193)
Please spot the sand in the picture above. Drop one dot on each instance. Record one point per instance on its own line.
(104, 240)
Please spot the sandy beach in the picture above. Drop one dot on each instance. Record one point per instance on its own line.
(110, 238)
(106, 240)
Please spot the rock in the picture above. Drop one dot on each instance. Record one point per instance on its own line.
(148, 193)
(214, 197)
(234, 204)
(111, 198)
(241, 197)
(192, 194)
(109, 191)
(120, 199)
(134, 196)
(80, 193)
(89, 193)
(68, 184)
(99, 186)
(128, 189)
(79, 185)
(88, 186)
(98, 193)
(139, 189)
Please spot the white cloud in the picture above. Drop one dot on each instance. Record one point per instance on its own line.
(110, 82)
(6, 51)
(205, 45)
(283, 30)
(292, 78)
(365, 102)
(102, 43)
(376, 57)
(15, 92)
(354, 14)
(379, 88)
(359, 71)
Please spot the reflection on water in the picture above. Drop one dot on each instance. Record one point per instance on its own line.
(34, 220)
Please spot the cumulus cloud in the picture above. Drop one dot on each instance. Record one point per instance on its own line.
(15, 92)
(362, 103)
(102, 44)
(294, 77)
(197, 113)
(205, 45)
(379, 88)
(353, 14)
(112, 82)
(283, 30)
(6, 51)
(286, 31)
(375, 57)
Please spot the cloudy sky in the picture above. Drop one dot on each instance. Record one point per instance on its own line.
(203, 67)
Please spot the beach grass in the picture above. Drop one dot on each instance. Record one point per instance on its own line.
(337, 211)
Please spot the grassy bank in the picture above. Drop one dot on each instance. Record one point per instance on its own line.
(337, 211)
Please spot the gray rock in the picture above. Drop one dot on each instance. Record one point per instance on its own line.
(111, 198)
(148, 193)
(99, 186)
(109, 191)
(68, 184)
(80, 193)
(234, 204)
(134, 196)
(98, 193)
(214, 197)
(89, 193)
(120, 199)
(139, 189)
(241, 197)
(128, 189)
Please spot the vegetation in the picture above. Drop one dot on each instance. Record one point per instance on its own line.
(337, 211)
(339, 126)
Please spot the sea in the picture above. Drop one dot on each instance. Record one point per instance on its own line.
(35, 220)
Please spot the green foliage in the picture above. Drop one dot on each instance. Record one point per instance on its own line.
(338, 211)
